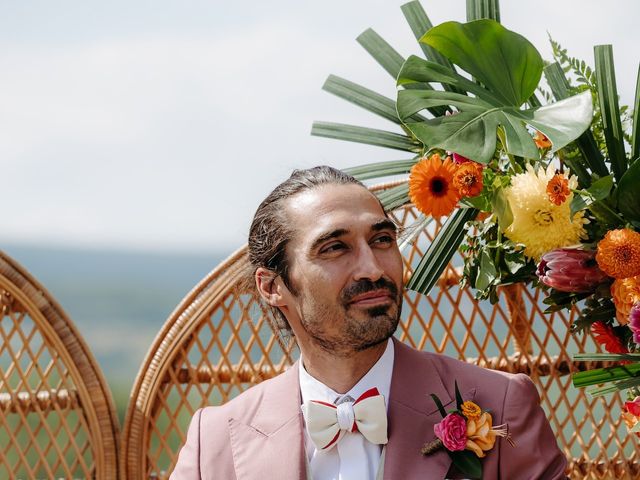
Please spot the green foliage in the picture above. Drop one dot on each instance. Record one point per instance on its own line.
(438, 403)
(599, 190)
(467, 463)
(621, 376)
(610, 110)
(394, 197)
(477, 9)
(371, 136)
(627, 195)
(495, 113)
(440, 251)
(558, 300)
(596, 309)
(582, 77)
(485, 49)
(490, 260)
(381, 169)
(584, 74)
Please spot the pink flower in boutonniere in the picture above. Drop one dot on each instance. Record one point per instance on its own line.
(452, 431)
(466, 433)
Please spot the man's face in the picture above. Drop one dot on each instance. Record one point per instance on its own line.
(345, 269)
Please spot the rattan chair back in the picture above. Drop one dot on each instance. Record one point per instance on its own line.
(217, 343)
(57, 417)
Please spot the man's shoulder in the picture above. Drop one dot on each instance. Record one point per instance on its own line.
(450, 367)
(469, 376)
(246, 404)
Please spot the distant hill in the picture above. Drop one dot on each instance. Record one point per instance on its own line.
(118, 300)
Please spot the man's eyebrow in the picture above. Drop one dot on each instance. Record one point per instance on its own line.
(339, 232)
(385, 224)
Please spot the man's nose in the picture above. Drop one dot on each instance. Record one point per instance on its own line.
(367, 265)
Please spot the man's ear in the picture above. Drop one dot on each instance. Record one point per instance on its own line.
(270, 287)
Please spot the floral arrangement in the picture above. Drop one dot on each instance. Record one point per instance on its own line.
(466, 433)
(539, 193)
(631, 415)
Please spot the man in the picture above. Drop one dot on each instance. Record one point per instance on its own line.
(324, 257)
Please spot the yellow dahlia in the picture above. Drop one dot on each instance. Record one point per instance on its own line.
(625, 292)
(619, 253)
(538, 223)
(431, 186)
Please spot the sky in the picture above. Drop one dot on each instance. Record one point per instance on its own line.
(160, 126)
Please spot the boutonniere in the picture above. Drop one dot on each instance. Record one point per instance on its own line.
(466, 433)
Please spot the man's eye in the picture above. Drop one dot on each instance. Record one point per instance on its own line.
(384, 239)
(334, 247)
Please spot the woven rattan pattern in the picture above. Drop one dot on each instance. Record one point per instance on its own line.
(57, 418)
(216, 344)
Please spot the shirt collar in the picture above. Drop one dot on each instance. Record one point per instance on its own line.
(378, 376)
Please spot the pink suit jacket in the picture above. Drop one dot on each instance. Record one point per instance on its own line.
(259, 434)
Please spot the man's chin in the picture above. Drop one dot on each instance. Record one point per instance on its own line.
(379, 310)
(379, 327)
(374, 343)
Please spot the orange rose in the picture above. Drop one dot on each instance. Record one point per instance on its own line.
(481, 436)
(625, 293)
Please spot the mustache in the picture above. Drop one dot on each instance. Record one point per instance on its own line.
(364, 286)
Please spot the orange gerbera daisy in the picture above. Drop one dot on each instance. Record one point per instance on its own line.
(606, 336)
(431, 186)
(541, 140)
(558, 189)
(625, 293)
(468, 179)
(619, 253)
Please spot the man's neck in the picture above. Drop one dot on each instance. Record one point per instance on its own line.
(340, 373)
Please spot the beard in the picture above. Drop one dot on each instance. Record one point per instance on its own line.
(343, 329)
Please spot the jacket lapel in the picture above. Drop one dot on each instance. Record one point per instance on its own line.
(275, 430)
(412, 415)
(271, 444)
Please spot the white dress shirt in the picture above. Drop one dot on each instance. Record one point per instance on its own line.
(354, 457)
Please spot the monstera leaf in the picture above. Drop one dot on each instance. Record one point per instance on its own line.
(506, 69)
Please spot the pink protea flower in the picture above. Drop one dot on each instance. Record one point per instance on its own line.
(570, 270)
(452, 431)
(634, 324)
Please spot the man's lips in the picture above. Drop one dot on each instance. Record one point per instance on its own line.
(372, 298)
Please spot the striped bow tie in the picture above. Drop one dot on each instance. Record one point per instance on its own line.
(326, 422)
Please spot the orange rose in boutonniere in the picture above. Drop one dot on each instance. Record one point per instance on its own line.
(463, 432)
(481, 436)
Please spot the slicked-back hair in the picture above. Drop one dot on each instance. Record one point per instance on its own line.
(271, 231)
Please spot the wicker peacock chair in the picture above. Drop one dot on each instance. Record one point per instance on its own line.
(217, 343)
(57, 417)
